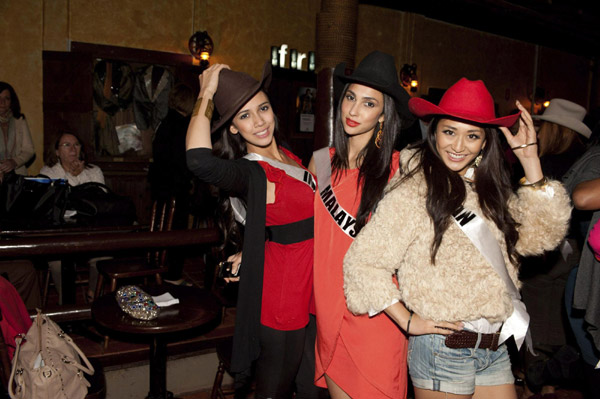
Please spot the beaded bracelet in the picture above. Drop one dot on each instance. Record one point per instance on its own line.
(408, 324)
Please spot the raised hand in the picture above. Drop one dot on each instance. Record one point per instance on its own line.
(209, 79)
(524, 145)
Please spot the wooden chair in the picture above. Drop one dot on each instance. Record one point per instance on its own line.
(238, 391)
(224, 356)
(82, 271)
(153, 264)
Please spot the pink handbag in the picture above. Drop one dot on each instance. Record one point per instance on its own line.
(47, 364)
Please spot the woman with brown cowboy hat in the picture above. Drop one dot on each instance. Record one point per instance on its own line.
(354, 357)
(452, 230)
(275, 297)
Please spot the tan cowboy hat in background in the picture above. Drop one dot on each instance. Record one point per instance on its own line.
(566, 113)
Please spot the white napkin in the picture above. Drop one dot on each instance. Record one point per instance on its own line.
(165, 300)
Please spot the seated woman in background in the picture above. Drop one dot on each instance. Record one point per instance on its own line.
(16, 146)
(68, 161)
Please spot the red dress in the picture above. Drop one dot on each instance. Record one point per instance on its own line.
(365, 356)
(288, 278)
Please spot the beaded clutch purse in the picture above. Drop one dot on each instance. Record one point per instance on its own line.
(137, 303)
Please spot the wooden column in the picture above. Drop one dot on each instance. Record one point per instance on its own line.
(336, 42)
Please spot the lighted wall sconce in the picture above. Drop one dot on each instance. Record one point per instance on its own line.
(408, 76)
(201, 47)
(538, 101)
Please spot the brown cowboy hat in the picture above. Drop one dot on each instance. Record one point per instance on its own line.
(236, 89)
(467, 100)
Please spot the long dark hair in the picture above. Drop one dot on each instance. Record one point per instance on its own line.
(228, 146)
(374, 163)
(446, 191)
(15, 105)
(231, 146)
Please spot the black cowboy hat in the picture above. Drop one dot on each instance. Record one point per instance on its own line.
(378, 71)
(236, 89)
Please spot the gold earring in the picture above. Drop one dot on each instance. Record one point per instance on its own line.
(379, 137)
(478, 160)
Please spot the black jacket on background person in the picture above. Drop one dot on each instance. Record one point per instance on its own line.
(169, 175)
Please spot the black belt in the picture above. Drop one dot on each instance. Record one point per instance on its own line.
(291, 233)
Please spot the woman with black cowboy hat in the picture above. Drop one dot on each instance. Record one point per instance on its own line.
(357, 356)
(275, 297)
(452, 230)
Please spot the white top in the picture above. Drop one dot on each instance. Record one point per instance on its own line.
(91, 173)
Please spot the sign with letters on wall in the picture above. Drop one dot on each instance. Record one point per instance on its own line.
(279, 57)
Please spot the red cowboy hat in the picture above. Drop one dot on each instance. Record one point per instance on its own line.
(468, 100)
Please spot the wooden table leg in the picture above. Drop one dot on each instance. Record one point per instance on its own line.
(158, 370)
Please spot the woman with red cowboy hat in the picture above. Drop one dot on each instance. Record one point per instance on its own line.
(452, 230)
(353, 354)
(272, 195)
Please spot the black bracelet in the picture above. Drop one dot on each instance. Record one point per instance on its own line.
(408, 324)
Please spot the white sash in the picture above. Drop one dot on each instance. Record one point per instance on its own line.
(480, 235)
(344, 219)
(298, 173)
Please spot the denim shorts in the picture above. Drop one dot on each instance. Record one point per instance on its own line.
(434, 366)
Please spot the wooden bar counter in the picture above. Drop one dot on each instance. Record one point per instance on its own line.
(103, 242)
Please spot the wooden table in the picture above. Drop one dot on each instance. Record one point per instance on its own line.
(197, 307)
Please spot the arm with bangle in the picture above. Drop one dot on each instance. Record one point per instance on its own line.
(524, 145)
(231, 176)
(413, 324)
(198, 134)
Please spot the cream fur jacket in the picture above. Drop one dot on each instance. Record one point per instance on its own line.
(462, 285)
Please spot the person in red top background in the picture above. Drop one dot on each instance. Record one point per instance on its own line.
(273, 327)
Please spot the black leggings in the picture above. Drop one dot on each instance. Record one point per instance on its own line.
(287, 364)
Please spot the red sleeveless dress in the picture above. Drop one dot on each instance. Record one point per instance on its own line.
(365, 356)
